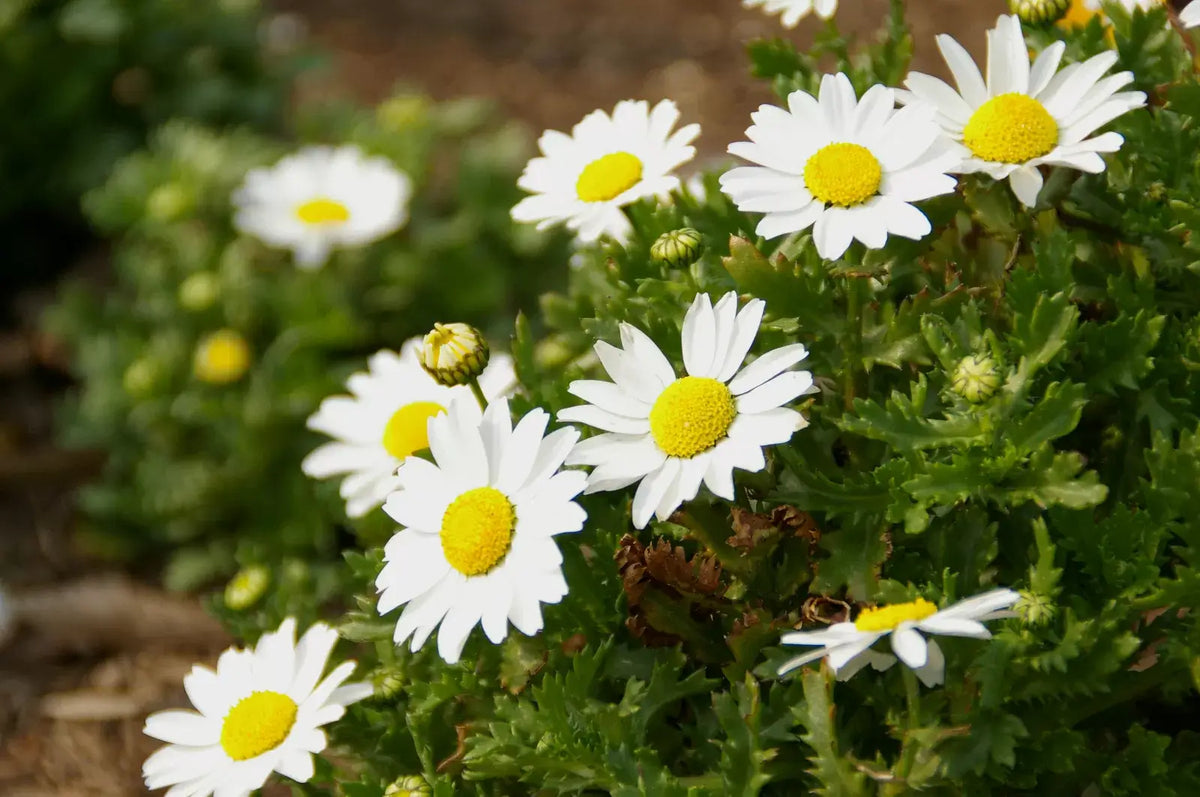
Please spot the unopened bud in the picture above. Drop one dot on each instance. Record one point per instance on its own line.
(454, 354)
(221, 358)
(142, 377)
(168, 202)
(408, 786)
(1039, 12)
(975, 378)
(199, 291)
(247, 587)
(1034, 609)
(678, 248)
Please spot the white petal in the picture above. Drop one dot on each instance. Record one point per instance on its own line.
(651, 491)
(746, 326)
(1026, 184)
(909, 646)
(933, 672)
(699, 337)
(775, 392)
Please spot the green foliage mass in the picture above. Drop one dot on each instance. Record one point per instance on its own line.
(84, 81)
(1073, 475)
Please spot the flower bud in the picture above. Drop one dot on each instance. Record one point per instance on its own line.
(677, 248)
(142, 377)
(975, 378)
(454, 354)
(408, 786)
(245, 588)
(168, 202)
(221, 358)
(199, 291)
(1039, 12)
(387, 683)
(1034, 609)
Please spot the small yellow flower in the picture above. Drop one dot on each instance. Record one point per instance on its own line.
(454, 354)
(222, 357)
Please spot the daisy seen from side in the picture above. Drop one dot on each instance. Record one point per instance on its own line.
(1025, 116)
(847, 646)
(320, 199)
(792, 11)
(477, 547)
(848, 168)
(385, 419)
(585, 178)
(672, 434)
(259, 712)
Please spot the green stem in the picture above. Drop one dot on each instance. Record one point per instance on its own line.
(478, 391)
(912, 702)
(853, 351)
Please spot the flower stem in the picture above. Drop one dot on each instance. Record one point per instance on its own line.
(912, 703)
(478, 391)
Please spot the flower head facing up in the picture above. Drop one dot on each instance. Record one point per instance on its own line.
(477, 547)
(847, 646)
(672, 434)
(322, 198)
(1025, 116)
(259, 712)
(792, 11)
(454, 354)
(385, 420)
(584, 179)
(221, 358)
(849, 168)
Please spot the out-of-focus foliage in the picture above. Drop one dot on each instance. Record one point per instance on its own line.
(83, 81)
(210, 471)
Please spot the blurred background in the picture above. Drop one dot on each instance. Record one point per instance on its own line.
(88, 647)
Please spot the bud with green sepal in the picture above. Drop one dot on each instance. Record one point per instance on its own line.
(678, 248)
(247, 587)
(976, 378)
(455, 354)
(408, 786)
(1039, 12)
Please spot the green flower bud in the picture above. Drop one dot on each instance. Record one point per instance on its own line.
(403, 113)
(1034, 609)
(454, 354)
(199, 291)
(677, 248)
(408, 786)
(1039, 12)
(975, 378)
(247, 587)
(142, 377)
(387, 683)
(168, 202)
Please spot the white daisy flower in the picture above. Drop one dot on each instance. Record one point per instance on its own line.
(846, 646)
(793, 11)
(1189, 17)
(321, 198)
(584, 179)
(848, 168)
(672, 434)
(478, 544)
(260, 712)
(385, 421)
(1026, 116)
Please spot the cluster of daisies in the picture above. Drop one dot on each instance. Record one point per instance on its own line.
(427, 433)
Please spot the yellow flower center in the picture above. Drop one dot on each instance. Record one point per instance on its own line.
(886, 618)
(256, 724)
(322, 210)
(691, 415)
(843, 174)
(407, 431)
(1011, 128)
(477, 530)
(222, 357)
(608, 177)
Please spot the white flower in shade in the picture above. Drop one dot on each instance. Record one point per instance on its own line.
(584, 179)
(478, 544)
(849, 168)
(1026, 116)
(1190, 15)
(792, 11)
(672, 434)
(260, 712)
(320, 198)
(385, 421)
(847, 646)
